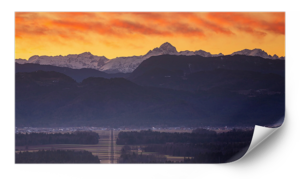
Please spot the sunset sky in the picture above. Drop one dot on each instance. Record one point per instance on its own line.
(115, 34)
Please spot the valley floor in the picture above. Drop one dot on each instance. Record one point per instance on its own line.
(103, 149)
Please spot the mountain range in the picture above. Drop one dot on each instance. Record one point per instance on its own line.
(180, 65)
(161, 88)
(127, 64)
(164, 90)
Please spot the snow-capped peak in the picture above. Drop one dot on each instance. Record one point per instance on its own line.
(85, 54)
(275, 56)
(167, 48)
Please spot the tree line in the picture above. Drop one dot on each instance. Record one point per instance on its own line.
(196, 136)
(85, 137)
(56, 156)
(199, 153)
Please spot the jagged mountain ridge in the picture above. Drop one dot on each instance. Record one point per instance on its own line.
(84, 60)
(126, 64)
(257, 52)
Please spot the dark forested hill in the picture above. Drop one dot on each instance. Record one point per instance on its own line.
(54, 99)
(76, 74)
(216, 79)
(192, 64)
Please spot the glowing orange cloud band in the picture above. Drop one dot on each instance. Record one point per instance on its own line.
(43, 32)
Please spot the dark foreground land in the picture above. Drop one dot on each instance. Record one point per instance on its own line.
(53, 155)
(101, 149)
(56, 156)
(200, 146)
(145, 146)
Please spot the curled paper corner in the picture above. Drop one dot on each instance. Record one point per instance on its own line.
(260, 134)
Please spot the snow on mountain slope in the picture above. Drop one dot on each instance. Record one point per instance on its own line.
(84, 60)
(21, 61)
(199, 52)
(122, 64)
(256, 52)
(186, 53)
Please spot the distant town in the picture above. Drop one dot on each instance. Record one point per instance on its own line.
(84, 128)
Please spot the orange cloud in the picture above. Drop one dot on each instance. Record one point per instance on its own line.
(110, 44)
(133, 27)
(183, 23)
(175, 24)
(159, 24)
(247, 21)
(159, 19)
(19, 19)
(209, 25)
(185, 30)
(22, 31)
(251, 31)
(135, 46)
(116, 27)
(75, 15)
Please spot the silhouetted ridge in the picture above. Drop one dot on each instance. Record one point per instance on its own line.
(192, 64)
(50, 77)
(76, 74)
